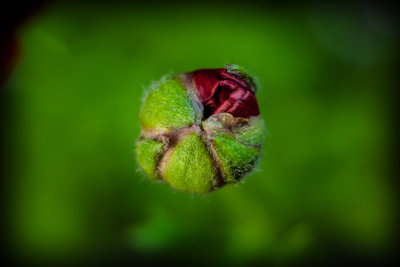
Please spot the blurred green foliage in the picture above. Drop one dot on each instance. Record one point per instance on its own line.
(322, 182)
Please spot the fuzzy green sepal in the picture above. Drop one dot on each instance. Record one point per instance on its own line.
(147, 152)
(236, 159)
(190, 167)
(167, 105)
(251, 133)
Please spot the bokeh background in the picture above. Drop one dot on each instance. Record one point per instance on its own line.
(324, 192)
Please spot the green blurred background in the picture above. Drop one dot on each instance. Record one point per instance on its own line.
(322, 193)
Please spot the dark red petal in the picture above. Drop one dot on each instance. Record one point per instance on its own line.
(207, 83)
(220, 91)
(240, 103)
(231, 77)
(245, 107)
(229, 84)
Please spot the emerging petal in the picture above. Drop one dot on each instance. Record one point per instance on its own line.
(220, 91)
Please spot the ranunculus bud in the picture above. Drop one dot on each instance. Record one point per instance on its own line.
(201, 129)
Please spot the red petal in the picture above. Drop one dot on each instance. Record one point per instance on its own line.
(207, 83)
(245, 107)
(220, 91)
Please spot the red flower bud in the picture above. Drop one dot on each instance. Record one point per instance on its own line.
(220, 91)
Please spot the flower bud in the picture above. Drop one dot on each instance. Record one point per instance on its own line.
(201, 129)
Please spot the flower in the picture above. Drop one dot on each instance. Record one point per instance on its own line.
(200, 130)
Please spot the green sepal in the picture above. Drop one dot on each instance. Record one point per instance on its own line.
(167, 105)
(148, 152)
(190, 167)
(235, 158)
(252, 133)
(245, 74)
